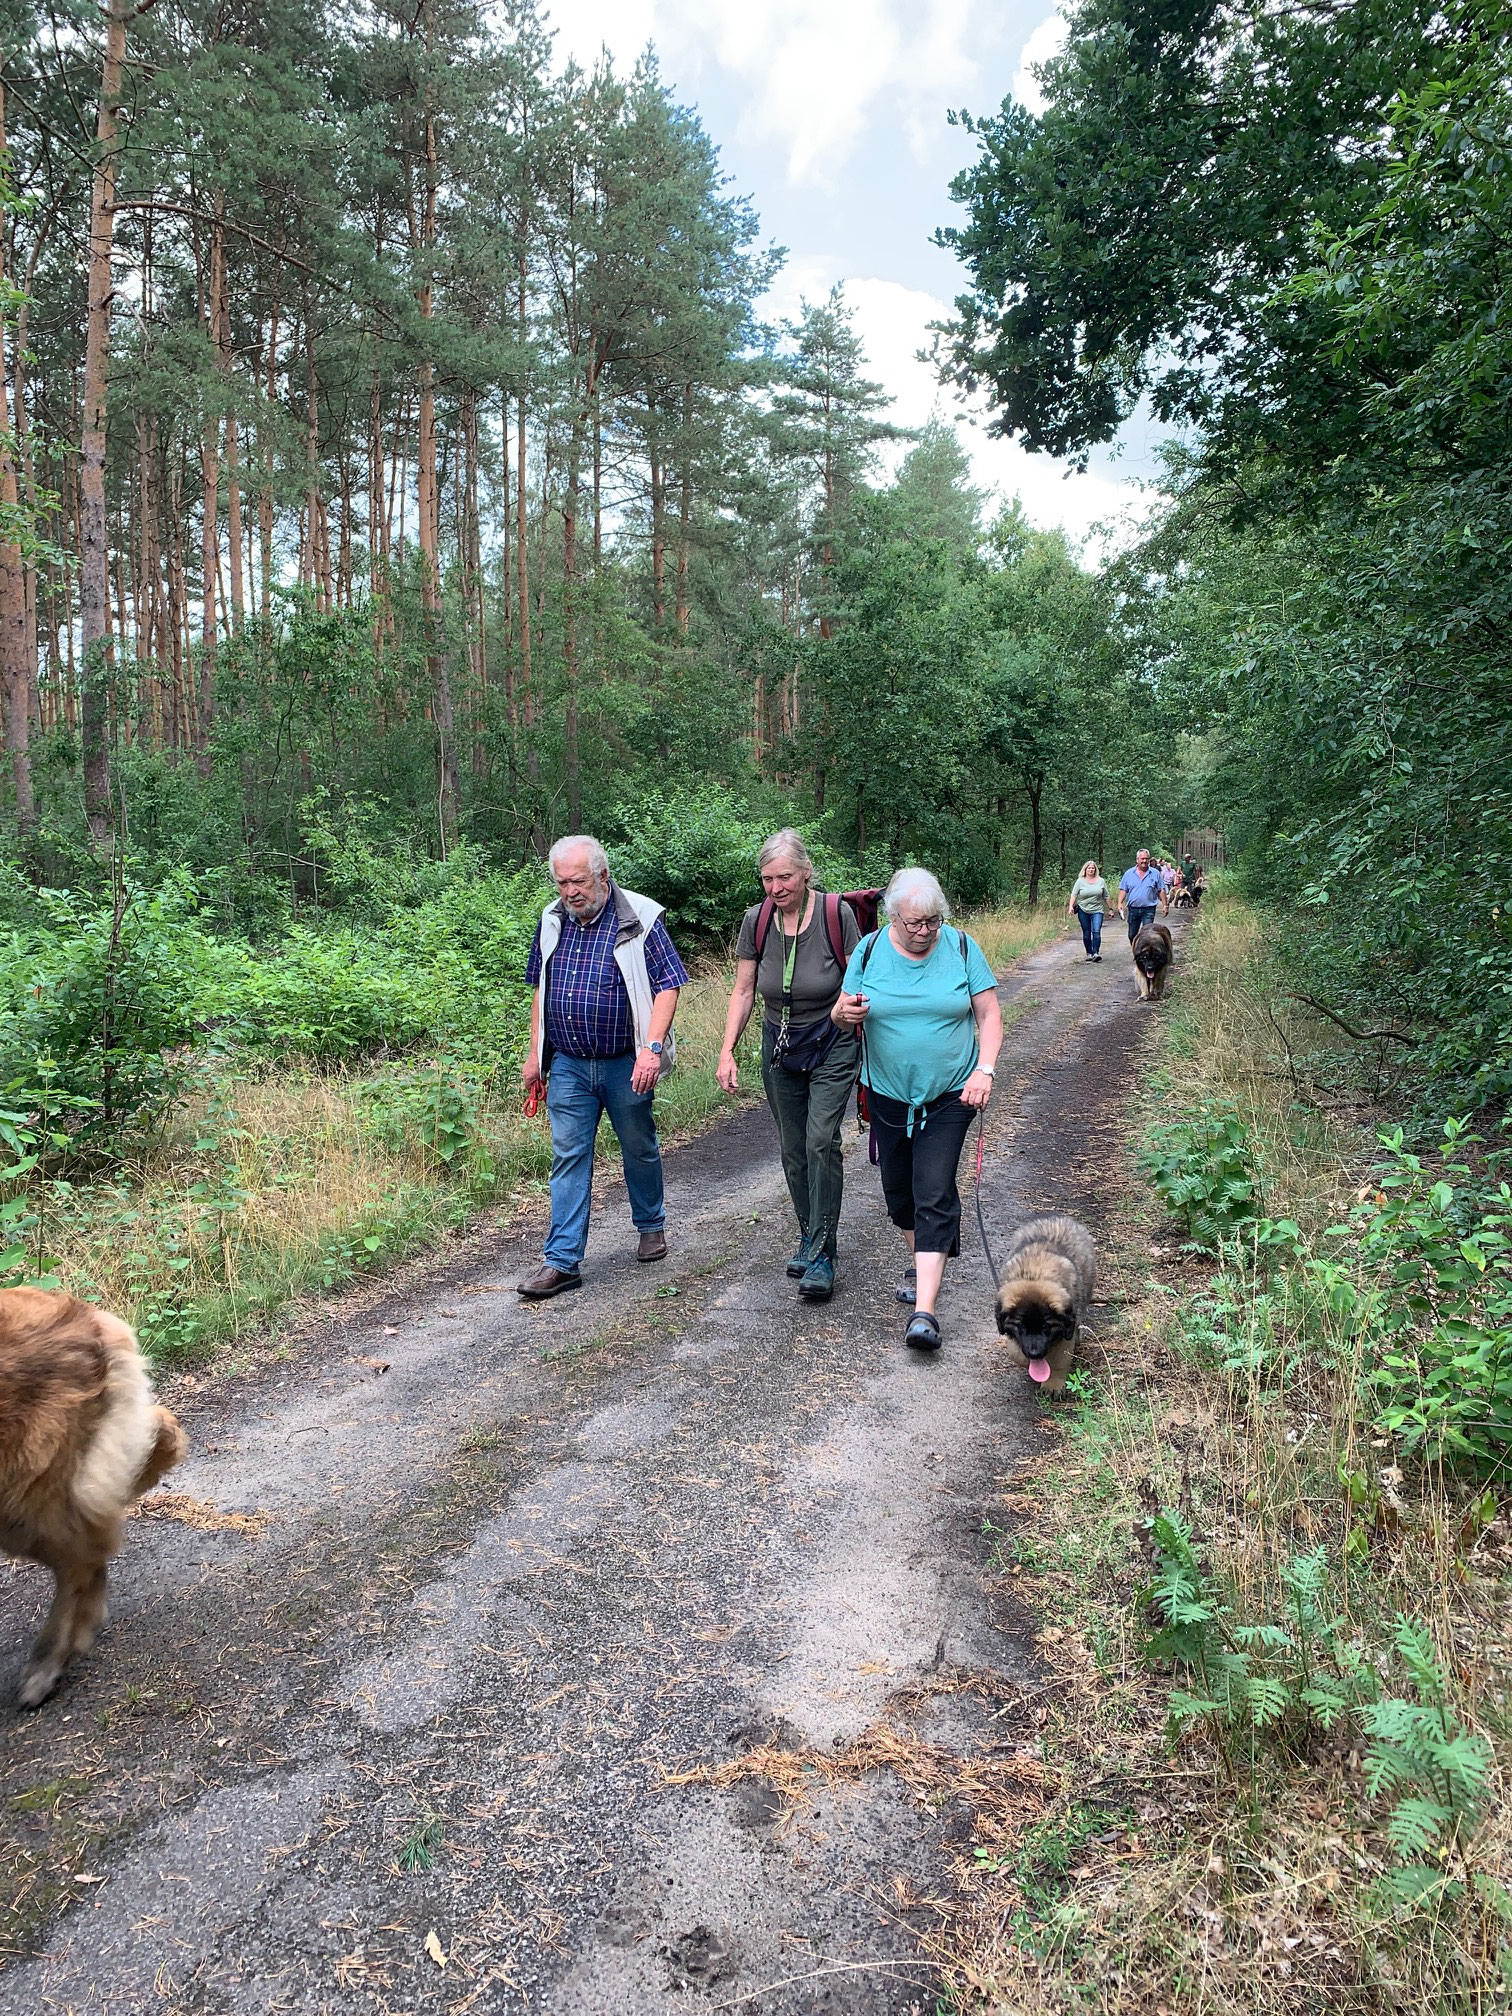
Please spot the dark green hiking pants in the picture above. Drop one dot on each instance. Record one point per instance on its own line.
(809, 1108)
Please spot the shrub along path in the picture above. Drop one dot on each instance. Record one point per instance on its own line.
(567, 1658)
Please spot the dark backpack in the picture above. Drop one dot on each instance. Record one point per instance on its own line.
(863, 907)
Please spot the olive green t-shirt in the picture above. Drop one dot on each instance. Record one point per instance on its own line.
(1090, 893)
(816, 972)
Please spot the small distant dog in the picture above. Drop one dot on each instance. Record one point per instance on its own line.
(1152, 959)
(80, 1440)
(1048, 1278)
(1182, 900)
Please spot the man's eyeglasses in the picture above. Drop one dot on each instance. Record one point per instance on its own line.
(926, 924)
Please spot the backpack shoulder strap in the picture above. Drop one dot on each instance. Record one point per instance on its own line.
(869, 946)
(833, 930)
(764, 918)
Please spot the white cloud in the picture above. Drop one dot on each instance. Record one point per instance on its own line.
(893, 324)
(813, 74)
(1046, 41)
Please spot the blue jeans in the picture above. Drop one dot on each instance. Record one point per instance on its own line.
(577, 1092)
(1140, 914)
(1091, 923)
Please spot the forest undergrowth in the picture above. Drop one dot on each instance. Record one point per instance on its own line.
(1269, 1551)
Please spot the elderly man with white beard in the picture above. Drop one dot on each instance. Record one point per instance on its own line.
(606, 977)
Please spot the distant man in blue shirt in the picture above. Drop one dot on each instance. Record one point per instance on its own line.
(1140, 891)
(606, 979)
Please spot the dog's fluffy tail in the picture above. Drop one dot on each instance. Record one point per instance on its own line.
(135, 1442)
(168, 1449)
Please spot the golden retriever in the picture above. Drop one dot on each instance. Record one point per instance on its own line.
(80, 1439)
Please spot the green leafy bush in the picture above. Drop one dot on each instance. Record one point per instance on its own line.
(693, 851)
(436, 1109)
(103, 1001)
(1436, 1243)
(1205, 1171)
(448, 969)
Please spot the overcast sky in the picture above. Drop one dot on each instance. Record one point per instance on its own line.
(830, 116)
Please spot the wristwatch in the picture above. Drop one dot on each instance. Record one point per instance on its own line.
(655, 1049)
(987, 1070)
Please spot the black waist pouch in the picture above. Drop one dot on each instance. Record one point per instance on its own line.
(803, 1048)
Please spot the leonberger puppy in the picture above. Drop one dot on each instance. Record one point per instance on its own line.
(81, 1438)
(1049, 1274)
(1152, 959)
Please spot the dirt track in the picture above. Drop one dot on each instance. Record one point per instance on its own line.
(487, 1602)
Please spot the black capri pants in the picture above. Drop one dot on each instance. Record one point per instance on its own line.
(918, 1170)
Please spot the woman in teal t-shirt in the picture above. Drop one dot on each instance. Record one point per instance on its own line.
(926, 1003)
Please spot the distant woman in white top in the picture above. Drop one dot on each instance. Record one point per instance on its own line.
(1089, 899)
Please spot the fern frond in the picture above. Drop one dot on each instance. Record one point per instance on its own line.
(1418, 1826)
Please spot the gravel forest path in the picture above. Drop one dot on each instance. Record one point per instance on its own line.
(471, 1611)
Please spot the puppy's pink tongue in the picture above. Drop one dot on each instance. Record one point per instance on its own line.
(1039, 1370)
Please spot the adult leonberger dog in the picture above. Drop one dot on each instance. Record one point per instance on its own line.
(1152, 960)
(80, 1439)
(1049, 1274)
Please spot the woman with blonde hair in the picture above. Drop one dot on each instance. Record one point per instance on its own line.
(1089, 899)
(792, 949)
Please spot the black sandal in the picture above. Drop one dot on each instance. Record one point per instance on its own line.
(923, 1332)
(907, 1288)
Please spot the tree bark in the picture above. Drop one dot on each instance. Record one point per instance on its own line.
(94, 587)
(658, 532)
(210, 522)
(428, 503)
(233, 456)
(15, 678)
(522, 528)
(684, 512)
(1034, 790)
(571, 759)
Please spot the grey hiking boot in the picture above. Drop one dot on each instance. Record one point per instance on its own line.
(818, 1283)
(799, 1264)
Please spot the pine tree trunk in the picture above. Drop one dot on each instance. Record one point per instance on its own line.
(21, 421)
(309, 569)
(571, 760)
(658, 534)
(506, 573)
(93, 585)
(265, 488)
(210, 523)
(522, 530)
(685, 513)
(14, 675)
(1033, 790)
(428, 503)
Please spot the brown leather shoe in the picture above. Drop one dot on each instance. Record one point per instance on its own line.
(548, 1281)
(653, 1246)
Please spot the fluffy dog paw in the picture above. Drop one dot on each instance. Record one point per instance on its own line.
(37, 1682)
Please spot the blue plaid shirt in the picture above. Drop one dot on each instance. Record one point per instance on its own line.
(587, 1005)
